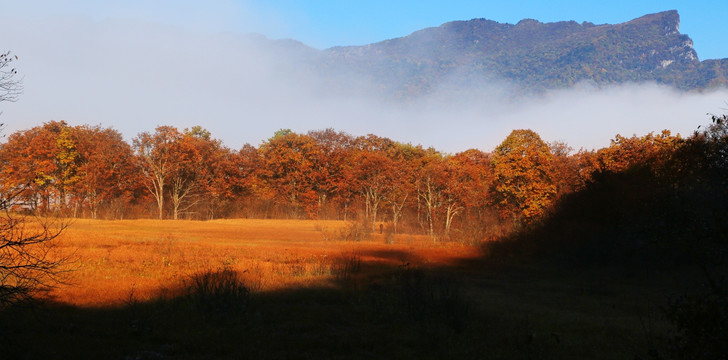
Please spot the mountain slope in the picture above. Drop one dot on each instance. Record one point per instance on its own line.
(531, 55)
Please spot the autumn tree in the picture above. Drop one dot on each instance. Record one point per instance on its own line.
(45, 161)
(202, 172)
(59, 165)
(289, 162)
(331, 184)
(190, 169)
(21, 160)
(253, 195)
(467, 179)
(108, 169)
(429, 188)
(448, 186)
(67, 161)
(566, 168)
(222, 180)
(625, 152)
(455, 183)
(523, 186)
(402, 186)
(157, 160)
(371, 173)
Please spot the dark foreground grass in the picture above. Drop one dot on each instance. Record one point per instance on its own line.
(472, 311)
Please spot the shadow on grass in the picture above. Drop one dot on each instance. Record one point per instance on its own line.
(667, 229)
(410, 312)
(373, 309)
(214, 315)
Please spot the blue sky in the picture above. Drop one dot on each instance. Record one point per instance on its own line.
(135, 64)
(326, 23)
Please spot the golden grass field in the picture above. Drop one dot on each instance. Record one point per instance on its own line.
(115, 262)
(130, 291)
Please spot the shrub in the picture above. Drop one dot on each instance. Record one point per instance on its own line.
(218, 292)
(355, 232)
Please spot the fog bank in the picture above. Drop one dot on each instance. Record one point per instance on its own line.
(134, 75)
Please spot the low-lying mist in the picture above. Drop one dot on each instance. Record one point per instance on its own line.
(133, 76)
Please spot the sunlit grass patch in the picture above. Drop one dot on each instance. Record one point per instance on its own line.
(114, 256)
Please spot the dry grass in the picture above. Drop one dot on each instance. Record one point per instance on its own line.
(293, 289)
(119, 261)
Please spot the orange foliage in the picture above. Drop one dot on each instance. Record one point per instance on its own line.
(651, 149)
(289, 165)
(523, 170)
(58, 165)
(319, 175)
(108, 169)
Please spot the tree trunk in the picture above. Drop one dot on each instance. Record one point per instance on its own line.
(397, 212)
(452, 210)
(159, 195)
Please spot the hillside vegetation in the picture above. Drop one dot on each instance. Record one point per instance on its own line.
(531, 55)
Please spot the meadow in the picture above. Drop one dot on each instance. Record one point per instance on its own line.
(150, 289)
(118, 260)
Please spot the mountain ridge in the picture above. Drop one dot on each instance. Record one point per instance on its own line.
(532, 55)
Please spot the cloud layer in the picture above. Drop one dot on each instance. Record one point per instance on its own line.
(134, 75)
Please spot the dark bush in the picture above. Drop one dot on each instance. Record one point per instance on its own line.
(701, 321)
(218, 292)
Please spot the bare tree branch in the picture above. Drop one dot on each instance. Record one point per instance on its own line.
(10, 86)
(29, 260)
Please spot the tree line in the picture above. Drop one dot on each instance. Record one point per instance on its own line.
(90, 171)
